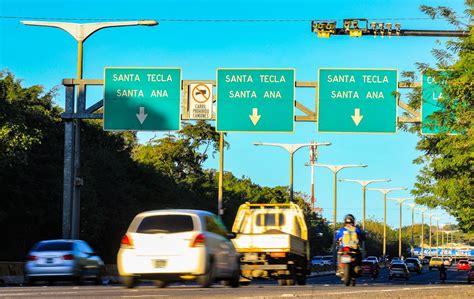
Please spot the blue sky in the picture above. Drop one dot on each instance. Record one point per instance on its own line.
(45, 56)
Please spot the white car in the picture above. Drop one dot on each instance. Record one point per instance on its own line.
(372, 258)
(175, 245)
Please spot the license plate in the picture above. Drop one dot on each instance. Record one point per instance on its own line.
(49, 260)
(346, 259)
(159, 263)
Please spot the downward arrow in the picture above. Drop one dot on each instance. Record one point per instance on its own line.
(357, 117)
(254, 117)
(142, 116)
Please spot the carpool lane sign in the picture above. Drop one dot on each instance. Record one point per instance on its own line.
(142, 99)
(357, 100)
(255, 100)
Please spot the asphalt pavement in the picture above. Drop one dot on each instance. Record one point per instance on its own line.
(425, 285)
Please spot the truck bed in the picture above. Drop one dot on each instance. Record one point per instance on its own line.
(270, 242)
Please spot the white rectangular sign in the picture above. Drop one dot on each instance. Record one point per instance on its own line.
(200, 101)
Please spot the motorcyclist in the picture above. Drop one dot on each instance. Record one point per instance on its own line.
(443, 272)
(351, 236)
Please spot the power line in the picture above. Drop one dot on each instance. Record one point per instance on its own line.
(217, 20)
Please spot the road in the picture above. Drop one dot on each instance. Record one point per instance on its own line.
(425, 285)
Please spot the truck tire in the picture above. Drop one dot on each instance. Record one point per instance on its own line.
(301, 279)
(282, 282)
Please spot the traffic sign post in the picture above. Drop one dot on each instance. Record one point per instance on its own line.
(357, 100)
(142, 99)
(200, 101)
(255, 100)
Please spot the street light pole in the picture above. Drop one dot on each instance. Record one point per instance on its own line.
(335, 169)
(422, 210)
(400, 202)
(292, 149)
(364, 184)
(385, 192)
(412, 206)
(431, 215)
(72, 179)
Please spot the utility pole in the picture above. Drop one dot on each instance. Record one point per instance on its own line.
(292, 149)
(72, 136)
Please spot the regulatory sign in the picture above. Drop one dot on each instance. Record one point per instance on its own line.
(357, 100)
(142, 99)
(200, 101)
(255, 100)
(431, 92)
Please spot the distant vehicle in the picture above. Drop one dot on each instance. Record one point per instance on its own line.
(395, 260)
(372, 258)
(447, 262)
(317, 261)
(328, 260)
(414, 265)
(435, 262)
(273, 241)
(370, 267)
(175, 245)
(398, 269)
(54, 260)
(463, 265)
(470, 275)
(471, 261)
(425, 260)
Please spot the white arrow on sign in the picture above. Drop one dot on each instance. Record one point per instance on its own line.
(254, 117)
(142, 116)
(357, 117)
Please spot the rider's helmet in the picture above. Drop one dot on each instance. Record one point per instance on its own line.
(349, 219)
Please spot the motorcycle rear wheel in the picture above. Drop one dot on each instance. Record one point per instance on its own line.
(347, 274)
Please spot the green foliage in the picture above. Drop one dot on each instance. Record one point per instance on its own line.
(446, 179)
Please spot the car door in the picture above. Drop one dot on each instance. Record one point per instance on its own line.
(219, 246)
(232, 257)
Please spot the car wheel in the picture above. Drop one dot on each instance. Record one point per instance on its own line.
(28, 281)
(160, 284)
(129, 281)
(234, 281)
(98, 278)
(207, 279)
(282, 282)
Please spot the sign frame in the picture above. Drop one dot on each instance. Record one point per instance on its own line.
(257, 131)
(318, 101)
(143, 68)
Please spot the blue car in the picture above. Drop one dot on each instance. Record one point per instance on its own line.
(72, 260)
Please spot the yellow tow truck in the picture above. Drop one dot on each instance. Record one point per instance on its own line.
(273, 242)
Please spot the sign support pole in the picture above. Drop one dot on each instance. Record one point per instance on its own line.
(68, 177)
(220, 211)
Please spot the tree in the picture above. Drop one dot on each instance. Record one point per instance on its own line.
(446, 179)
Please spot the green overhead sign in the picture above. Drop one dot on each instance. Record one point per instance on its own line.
(357, 100)
(142, 99)
(255, 100)
(431, 92)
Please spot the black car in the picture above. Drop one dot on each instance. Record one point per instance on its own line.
(398, 270)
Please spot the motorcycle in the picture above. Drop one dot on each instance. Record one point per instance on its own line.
(347, 259)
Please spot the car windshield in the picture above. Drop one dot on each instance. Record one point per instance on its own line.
(463, 262)
(413, 261)
(166, 224)
(53, 246)
(435, 259)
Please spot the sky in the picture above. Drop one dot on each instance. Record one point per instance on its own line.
(45, 56)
